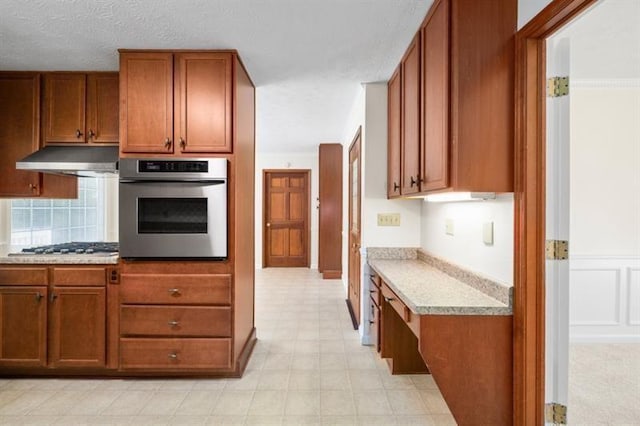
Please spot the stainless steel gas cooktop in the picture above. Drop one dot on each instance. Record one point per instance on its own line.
(74, 248)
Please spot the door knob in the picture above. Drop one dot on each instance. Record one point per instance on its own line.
(268, 225)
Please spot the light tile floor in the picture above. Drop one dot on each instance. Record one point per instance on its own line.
(604, 384)
(308, 368)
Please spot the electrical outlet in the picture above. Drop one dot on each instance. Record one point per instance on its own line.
(388, 219)
(448, 226)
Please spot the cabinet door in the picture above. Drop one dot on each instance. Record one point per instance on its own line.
(78, 327)
(435, 96)
(393, 143)
(23, 326)
(410, 141)
(64, 107)
(102, 107)
(146, 102)
(19, 132)
(203, 102)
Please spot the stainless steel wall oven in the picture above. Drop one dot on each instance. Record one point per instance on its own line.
(173, 208)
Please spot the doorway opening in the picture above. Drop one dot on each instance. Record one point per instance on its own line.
(542, 311)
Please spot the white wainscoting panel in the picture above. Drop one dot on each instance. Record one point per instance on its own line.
(634, 296)
(604, 301)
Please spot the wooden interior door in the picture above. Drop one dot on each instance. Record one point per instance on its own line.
(286, 218)
(354, 227)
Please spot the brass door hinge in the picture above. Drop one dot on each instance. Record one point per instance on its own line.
(556, 250)
(555, 413)
(557, 86)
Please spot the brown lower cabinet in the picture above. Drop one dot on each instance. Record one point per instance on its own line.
(47, 325)
(469, 356)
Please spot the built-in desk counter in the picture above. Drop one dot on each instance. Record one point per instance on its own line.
(456, 322)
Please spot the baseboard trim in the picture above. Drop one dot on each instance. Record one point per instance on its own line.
(332, 275)
(604, 338)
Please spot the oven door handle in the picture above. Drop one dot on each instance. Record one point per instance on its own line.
(196, 181)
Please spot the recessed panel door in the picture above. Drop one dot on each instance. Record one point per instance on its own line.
(286, 218)
(354, 227)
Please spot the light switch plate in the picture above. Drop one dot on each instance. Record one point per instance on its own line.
(448, 226)
(487, 233)
(388, 219)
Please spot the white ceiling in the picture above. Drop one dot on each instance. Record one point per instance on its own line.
(605, 41)
(306, 57)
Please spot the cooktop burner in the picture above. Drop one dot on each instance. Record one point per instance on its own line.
(74, 248)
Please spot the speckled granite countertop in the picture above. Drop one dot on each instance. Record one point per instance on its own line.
(427, 290)
(8, 256)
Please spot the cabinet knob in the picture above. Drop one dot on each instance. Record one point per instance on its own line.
(92, 134)
(173, 355)
(389, 299)
(167, 143)
(371, 322)
(174, 292)
(53, 297)
(33, 186)
(183, 143)
(395, 187)
(78, 133)
(39, 297)
(413, 181)
(174, 323)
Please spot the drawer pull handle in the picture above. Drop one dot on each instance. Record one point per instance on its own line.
(173, 355)
(174, 292)
(389, 299)
(174, 323)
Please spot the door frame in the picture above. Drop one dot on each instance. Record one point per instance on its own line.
(264, 211)
(356, 138)
(529, 207)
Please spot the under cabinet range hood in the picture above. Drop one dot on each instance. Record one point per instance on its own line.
(87, 161)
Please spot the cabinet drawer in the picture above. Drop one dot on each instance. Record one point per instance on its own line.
(374, 289)
(412, 320)
(169, 289)
(175, 354)
(79, 276)
(196, 321)
(23, 276)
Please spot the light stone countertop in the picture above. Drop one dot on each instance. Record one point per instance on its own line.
(427, 290)
(7, 256)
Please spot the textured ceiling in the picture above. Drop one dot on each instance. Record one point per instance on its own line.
(306, 57)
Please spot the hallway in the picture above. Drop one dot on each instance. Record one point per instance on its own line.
(308, 367)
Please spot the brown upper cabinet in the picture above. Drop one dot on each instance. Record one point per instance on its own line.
(20, 136)
(410, 118)
(80, 108)
(394, 128)
(176, 102)
(465, 92)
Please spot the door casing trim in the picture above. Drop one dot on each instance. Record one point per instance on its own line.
(529, 207)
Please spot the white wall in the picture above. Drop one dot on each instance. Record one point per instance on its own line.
(286, 160)
(605, 171)
(527, 9)
(466, 247)
(375, 181)
(605, 212)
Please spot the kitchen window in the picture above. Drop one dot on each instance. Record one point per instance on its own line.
(42, 221)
